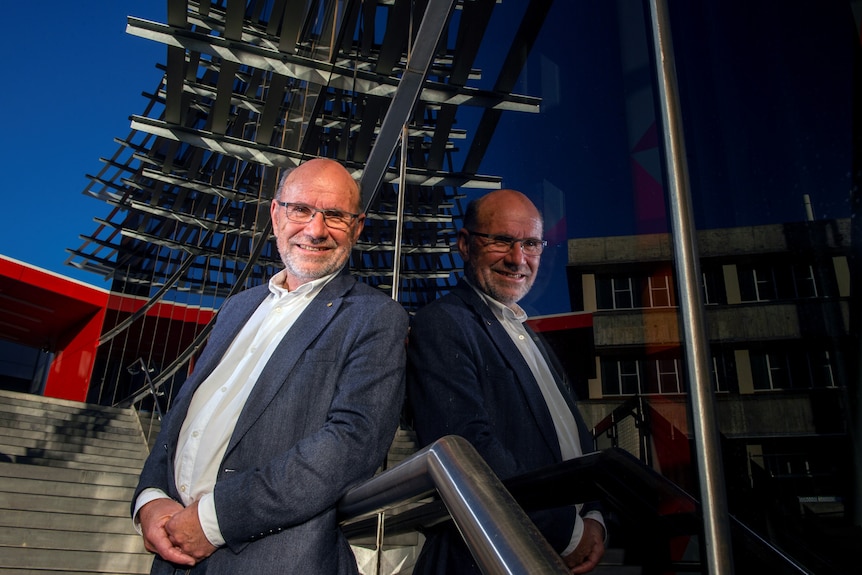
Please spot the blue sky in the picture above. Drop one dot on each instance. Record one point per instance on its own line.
(73, 78)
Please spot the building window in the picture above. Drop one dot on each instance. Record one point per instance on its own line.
(804, 281)
(660, 291)
(641, 376)
(761, 282)
(770, 370)
(820, 362)
(635, 292)
(620, 377)
(756, 283)
(623, 293)
(713, 286)
(667, 376)
(724, 370)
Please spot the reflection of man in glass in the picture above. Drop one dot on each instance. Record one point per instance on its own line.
(475, 370)
(295, 398)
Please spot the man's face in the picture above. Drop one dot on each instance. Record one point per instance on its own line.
(506, 277)
(313, 250)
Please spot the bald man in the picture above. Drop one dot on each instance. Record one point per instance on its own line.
(476, 370)
(295, 399)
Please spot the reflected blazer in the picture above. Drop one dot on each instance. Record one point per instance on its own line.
(466, 377)
(319, 420)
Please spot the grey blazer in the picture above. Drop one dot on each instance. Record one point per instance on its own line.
(466, 377)
(319, 420)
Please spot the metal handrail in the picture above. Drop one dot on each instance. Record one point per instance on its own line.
(151, 388)
(497, 531)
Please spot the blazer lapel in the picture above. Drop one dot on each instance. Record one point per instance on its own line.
(304, 331)
(509, 351)
(215, 349)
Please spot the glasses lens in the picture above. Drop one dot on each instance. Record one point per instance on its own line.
(532, 247)
(499, 245)
(336, 219)
(298, 213)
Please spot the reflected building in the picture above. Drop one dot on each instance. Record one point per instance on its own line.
(777, 303)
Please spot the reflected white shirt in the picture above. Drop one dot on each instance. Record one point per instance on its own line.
(512, 319)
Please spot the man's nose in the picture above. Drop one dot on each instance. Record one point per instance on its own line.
(516, 254)
(317, 226)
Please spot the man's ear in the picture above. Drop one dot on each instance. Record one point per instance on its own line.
(273, 213)
(464, 243)
(360, 224)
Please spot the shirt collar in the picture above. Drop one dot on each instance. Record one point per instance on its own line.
(277, 285)
(501, 310)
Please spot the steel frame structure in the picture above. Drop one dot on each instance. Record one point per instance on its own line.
(253, 87)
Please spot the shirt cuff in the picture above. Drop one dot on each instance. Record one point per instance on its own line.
(577, 533)
(147, 495)
(578, 530)
(209, 520)
(597, 516)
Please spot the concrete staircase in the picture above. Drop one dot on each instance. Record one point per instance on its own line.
(67, 473)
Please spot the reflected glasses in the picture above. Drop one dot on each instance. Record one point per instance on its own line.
(502, 244)
(303, 214)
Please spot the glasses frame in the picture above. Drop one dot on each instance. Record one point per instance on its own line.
(541, 244)
(326, 213)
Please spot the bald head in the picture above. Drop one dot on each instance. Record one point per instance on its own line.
(322, 173)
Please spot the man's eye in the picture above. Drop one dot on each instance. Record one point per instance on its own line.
(300, 210)
(530, 243)
(333, 214)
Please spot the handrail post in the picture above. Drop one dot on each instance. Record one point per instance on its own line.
(497, 531)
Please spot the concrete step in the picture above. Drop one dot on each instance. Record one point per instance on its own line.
(82, 476)
(70, 428)
(80, 461)
(24, 560)
(69, 474)
(105, 448)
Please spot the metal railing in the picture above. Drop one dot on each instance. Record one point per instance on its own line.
(497, 531)
(150, 390)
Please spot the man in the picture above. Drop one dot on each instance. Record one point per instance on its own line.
(475, 370)
(295, 399)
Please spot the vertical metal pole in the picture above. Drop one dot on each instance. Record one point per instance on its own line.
(716, 523)
(402, 183)
(399, 216)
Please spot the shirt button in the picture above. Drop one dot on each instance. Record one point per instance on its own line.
(183, 488)
(196, 434)
(521, 337)
(224, 389)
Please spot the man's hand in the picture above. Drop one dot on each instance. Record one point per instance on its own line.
(590, 549)
(153, 517)
(185, 533)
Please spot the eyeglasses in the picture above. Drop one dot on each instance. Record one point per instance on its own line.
(303, 213)
(502, 244)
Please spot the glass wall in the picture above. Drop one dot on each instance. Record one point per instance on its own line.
(770, 104)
